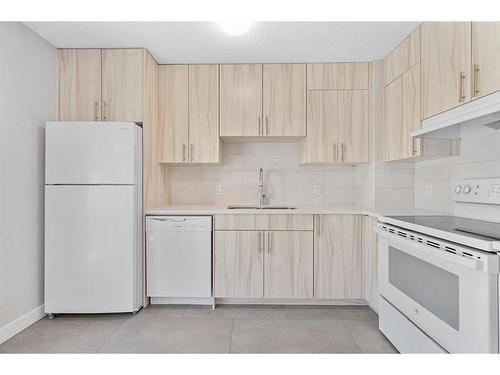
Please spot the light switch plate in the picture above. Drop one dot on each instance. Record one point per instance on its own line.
(218, 189)
(317, 189)
(428, 191)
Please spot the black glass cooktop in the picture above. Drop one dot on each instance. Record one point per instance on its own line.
(480, 229)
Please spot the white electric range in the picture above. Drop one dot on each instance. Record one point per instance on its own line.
(439, 275)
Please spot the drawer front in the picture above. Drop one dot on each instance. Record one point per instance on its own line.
(263, 222)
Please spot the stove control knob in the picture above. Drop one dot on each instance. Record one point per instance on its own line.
(458, 189)
(467, 189)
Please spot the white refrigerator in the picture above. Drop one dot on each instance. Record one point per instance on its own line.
(93, 217)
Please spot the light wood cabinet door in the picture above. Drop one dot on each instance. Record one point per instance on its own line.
(445, 66)
(240, 100)
(485, 58)
(337, 256)
(352, 76)
(238, 264)
(284, 100)
(288, 264)
(204, 114)
(411, 112)
(320, 145)
(394, 132)
(322, 76)
(353, 126)
(80, 85)
(403, 57)
(122, 84)
(174, 113)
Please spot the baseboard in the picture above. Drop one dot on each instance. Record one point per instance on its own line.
(292, 301)
(23, 322)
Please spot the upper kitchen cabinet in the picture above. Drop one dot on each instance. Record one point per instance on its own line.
(403, 57)
(352, 76)
(284, 100)
(353, 126)
(445, 66)
(80, 85)
(485, 58)
(322, 76)
(189, 115)
(122, 84)
(241, 100)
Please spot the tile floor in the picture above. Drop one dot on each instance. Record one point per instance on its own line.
(227, 329)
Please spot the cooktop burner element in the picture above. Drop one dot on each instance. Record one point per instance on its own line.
(483, 230)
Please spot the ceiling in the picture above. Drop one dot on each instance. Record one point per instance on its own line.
(205, 42)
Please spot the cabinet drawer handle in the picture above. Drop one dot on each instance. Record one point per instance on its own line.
(335, 151)
(462, 88)
(475, 79)
(192, 151)
(318, 225)
(104, 107)
(342, 147)
(259, 130)
(183, 152)
(96, 110)
(260, 242)
(267, 126)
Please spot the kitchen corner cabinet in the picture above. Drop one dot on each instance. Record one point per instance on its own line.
(445, 66)
(337, 76)
(189, 114)
(101, 85)
(337, 256)
(80, 84)
(485, 58)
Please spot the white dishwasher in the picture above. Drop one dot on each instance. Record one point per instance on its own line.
(179, 259)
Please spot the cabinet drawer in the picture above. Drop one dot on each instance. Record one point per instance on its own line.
(263, 222)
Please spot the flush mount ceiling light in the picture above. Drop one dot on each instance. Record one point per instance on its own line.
(235, 27)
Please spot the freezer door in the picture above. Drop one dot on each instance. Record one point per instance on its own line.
(91, 153)
(91, 249)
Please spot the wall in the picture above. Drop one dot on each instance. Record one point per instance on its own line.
(285, 181)
(479, 158)
(28, 70)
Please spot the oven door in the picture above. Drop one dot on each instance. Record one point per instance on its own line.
(451, 298)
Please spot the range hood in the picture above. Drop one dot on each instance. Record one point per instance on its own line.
(484, 111)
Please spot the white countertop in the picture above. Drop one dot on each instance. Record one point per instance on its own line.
(302, 209)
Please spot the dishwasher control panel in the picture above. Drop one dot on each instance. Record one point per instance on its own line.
(481, 190)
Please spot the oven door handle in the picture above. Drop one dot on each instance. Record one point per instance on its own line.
(425, 251)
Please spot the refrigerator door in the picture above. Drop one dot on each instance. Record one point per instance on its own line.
(93, 259)
(91, 153)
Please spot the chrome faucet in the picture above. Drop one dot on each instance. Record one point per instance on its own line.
(262, 195)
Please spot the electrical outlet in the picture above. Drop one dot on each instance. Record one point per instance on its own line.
(428, 191)
(317, 189)
(218, 189)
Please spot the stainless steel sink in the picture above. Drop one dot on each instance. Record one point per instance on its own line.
(261, 208)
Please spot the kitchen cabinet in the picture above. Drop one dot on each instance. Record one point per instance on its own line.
(284, 100)
(189, 114)
(353, 126)
(288, 264)
(240, 100)
(238, 264)
(263, 222)
(321, 142)
(352, 76)
(322, 76)
(485, 58)
(122, 84)
(445, 66)
(337, 256)
(403, 57)
(80, 84)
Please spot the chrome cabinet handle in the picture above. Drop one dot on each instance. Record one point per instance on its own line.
(342, 147)
(318, 225)
(96, 110)
(335, 151)
(259, 130)
(461, 90)
(104, 107)
(269, 242)
(183, 152)
(192, 151)
(475, 79)
(260, 242)
(267, 126)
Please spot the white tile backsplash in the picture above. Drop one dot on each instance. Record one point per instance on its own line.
(285, 180)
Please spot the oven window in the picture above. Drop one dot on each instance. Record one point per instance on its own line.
(430, 286)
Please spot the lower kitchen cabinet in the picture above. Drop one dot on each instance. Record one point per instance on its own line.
(337, 256)
(263, 264)
(288, 264)
(238, 264)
